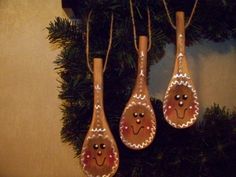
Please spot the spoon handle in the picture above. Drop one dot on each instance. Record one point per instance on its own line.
(141, 79)
(98, 80)
(180, 61)
(98, 109)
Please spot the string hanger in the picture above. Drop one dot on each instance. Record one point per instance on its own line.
(189, 20)
(87, 42)
(134, 27)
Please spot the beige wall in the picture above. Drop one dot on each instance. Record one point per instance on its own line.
(30, 144)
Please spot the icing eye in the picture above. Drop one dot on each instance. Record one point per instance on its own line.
(177, 97)
(185, 97)
(95, 146)
(135, 114)
(141, 114)
(103, 146)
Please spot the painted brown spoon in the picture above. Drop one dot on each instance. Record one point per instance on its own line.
(181, 107)
(138, 122)
(99, 156)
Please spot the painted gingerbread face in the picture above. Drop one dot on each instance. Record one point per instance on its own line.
(180, 105)
(99, 157)
(137, 127)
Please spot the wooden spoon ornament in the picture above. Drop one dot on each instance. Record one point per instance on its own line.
(181, 106)
(99, 155)
(138, 122)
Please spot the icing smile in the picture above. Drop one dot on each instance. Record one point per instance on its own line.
(101, 163)
(177, 113)
(136, 133)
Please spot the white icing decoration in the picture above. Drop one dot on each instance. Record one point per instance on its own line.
(98, 130)
(181, 76)
(97, 87)
(180, 55)
(141, 54)
(140, 96)
(97, 106)
(141, 73)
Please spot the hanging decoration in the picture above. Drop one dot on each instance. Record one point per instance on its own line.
(99, 155)
(138, 121)
(181, 107)
(211, 143)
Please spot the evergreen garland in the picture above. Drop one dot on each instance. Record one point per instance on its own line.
(204, 150)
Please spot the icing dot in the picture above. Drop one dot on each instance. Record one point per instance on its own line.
(99, 153)
(181, 103)
(169, 107)
(148, 127)
(88, 156)
(190, 107)
(138, 121)
(110, 156)
(126, 127)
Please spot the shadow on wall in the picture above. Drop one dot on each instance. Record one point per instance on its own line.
(213, 67)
